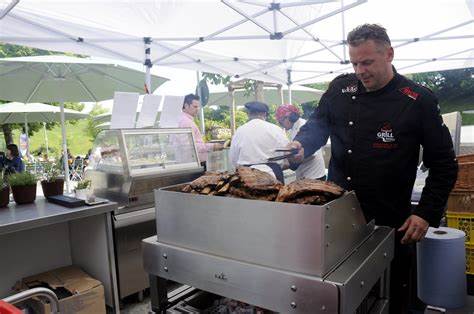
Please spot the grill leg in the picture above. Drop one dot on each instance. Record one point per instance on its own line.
(158, 294)
(384, 292)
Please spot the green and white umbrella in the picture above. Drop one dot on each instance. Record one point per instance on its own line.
(64, 78)
(17, 112)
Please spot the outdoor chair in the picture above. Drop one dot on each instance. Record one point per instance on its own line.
(77, 169)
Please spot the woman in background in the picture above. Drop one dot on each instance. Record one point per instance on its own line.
(12, 162)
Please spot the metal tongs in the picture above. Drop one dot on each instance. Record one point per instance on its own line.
(290, 152)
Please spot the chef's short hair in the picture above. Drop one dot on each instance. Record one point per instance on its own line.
(366, 32)
(188, 99)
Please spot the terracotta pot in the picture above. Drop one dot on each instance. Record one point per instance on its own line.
(4, 196)
(24, 194)
(53, 188)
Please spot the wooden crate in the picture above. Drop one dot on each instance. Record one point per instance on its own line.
(461, 201)
(465, 181)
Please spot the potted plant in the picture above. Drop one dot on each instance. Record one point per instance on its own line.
(4, 191)
(82, 189)
(23, 186)
(52, 182)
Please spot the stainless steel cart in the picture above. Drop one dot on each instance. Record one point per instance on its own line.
(287, 258)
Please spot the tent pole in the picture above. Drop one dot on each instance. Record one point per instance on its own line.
(289, 86)
(232, 109)
(148, 65)
(259, 96)
(27, 137)
(65, 156)
(8, 8)
(46, 139)
(343, 22)
(280, 92)
(201, 111)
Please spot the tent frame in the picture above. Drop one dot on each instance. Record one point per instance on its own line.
(262, 65)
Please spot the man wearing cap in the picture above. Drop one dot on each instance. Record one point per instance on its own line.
(377, 119)
(288, 116)
(191, 107)
(255, 141)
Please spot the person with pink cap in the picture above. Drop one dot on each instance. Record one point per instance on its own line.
(289, 117)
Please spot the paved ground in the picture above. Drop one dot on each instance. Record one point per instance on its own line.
(131, 304)
(137, 307)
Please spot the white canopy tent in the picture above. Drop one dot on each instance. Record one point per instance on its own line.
(285, 42)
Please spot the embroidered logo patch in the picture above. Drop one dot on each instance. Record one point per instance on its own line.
(408, 92)
(386, 139)
(386, 133)
(350, 89)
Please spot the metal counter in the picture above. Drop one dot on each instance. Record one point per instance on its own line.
(43, 236)
(16, 218)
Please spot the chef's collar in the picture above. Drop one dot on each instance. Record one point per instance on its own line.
(390, 85)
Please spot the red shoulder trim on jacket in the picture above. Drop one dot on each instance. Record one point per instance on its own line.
(409, 92)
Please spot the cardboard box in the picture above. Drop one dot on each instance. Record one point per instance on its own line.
(78, 293)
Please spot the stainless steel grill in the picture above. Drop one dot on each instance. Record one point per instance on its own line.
(288, 258)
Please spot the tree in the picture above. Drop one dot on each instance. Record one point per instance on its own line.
(448, 85)
(9, 51)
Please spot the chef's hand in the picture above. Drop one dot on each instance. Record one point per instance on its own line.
(415, 229)
(298, 158)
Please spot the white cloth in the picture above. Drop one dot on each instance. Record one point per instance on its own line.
(312, 167)
(255, 142)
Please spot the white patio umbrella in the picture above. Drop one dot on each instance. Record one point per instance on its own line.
(63, 78)
(16, 112)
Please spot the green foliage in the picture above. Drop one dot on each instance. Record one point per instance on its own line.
(52, 172)
(41, 150)
(216, 79)
(8, 51)
(92, 129)
(78, 139)
(84, 184)
(322, 86)
(24, 178)
(220, 118)
(448, 85)
(467, 119)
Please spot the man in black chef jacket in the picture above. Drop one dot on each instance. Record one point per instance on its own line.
(377, 119)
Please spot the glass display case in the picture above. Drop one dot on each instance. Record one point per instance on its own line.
(144, 151)
(125, 165)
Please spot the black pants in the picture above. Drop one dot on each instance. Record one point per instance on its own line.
(403, 287)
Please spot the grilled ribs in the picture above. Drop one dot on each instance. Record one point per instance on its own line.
(254, 184)
(309, 191)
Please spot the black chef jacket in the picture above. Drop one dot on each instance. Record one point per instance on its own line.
(375, 144)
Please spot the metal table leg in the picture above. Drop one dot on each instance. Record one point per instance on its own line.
(158, 294)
